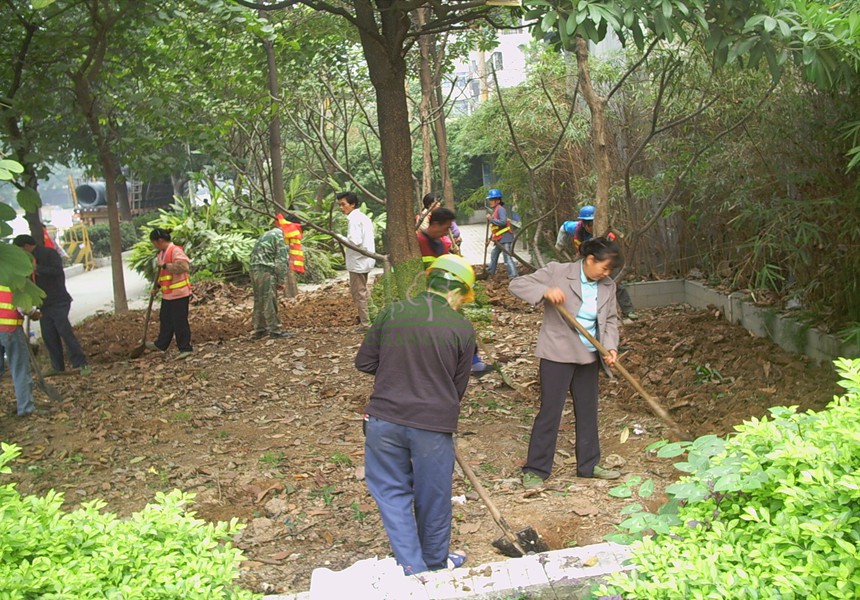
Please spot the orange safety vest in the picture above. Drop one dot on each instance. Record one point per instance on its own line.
(293, 237)
(9, 315)
(166, 280)
(497, 230)
(49, 243)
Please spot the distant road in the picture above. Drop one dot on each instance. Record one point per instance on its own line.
(92, 292)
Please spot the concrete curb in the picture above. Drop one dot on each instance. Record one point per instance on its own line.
(787, 333)
(568, 573)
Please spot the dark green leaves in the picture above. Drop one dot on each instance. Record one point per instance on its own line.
(29, 199)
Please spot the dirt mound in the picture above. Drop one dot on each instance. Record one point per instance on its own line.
(269, 431)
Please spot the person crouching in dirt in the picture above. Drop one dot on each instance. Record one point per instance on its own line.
(568, 362)
(420, 351)
(574, 233)
(173, 281)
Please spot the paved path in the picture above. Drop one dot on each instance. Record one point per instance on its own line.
(92, 292)
(473, 245)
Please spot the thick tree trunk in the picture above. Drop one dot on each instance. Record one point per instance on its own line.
(387, 69)
(599, 143)
(278, 194)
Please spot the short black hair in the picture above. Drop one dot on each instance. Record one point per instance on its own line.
(159, 234)
(429, 199)
(601, 249)
(24, 240)
(351, 198)
(442, 215)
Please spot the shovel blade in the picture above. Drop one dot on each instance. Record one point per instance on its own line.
(137, 352)
(529, 540)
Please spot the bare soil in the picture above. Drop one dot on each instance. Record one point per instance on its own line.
(269, 431)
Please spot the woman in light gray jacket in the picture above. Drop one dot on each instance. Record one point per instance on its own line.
(568, 362)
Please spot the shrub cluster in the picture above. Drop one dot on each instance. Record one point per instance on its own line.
(99, 236)
(772, 512)
(159, 552)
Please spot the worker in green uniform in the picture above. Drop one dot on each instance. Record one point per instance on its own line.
(269, 265)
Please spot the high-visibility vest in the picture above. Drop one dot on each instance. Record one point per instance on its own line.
(497, 230)
(168, 281)
(293, 238)
(425, 244)
(9, 315)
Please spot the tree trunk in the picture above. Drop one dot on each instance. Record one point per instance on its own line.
(426, 78)
(122, 196)
(110, 167)
(440, 129)
(387, 70)
(278, 195)
(599, 145)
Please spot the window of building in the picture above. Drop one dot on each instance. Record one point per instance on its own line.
(497, 62)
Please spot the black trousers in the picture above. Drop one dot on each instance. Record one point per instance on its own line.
(556, 379)
(56, 331)
(173, 320)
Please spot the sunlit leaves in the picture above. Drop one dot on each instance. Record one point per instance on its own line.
(770, 509)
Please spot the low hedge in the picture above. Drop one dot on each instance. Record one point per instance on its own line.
(160, 552)
(772, 512)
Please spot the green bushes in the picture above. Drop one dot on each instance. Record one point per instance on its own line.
(160, 552)
(100, 237)
(769, 513)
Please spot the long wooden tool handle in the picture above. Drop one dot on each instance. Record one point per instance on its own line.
(486, 244)
(656, 407)
(485, 497)
(146, 319)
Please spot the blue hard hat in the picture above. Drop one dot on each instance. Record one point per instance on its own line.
(494, 194)
(570, 227)
(586, 213)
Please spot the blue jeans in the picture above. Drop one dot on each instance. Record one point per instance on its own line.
(57, 330)
(509, 260)
(408, 472)
(18, 360)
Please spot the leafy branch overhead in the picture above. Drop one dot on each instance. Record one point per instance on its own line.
(15, 264)
(820, 37)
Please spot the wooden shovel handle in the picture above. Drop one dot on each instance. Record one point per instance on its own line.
(485, 497)
(656, 407)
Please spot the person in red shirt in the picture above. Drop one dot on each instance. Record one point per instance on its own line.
(434, 240)
(174, 282)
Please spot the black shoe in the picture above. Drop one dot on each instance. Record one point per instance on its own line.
(280, 334)
(258, 335)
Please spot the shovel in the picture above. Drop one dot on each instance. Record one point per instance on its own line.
(483, 274)
(50, 391)
(656, 407)
(494, 364)
(511, 544)
(138, 352)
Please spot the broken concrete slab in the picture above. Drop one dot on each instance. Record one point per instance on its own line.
(571, 572)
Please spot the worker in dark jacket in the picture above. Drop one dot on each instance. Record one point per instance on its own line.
(420, 351)
(56, 328)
